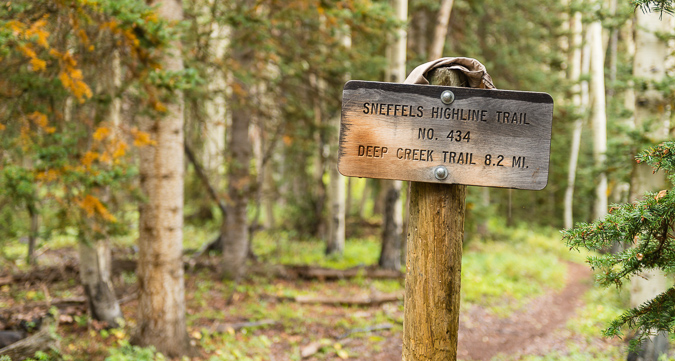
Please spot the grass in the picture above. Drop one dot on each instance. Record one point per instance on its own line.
(500, 272)
(511, 266)
(280, 247)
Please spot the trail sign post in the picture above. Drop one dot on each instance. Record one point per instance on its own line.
(441, 138)
(447, 135)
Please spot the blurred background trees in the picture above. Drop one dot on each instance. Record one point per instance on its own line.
(88, 87)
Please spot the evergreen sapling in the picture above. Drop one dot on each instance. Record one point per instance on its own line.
(646, 231)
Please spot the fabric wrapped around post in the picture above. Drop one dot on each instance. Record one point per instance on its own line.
(475, 72)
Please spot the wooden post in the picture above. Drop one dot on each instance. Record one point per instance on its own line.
(434, 260)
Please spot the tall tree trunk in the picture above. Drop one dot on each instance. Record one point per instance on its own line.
(649, 65)
(268, 194)
(161, 300)
(95, 255)
(235, 242)
(599, 119)
(349, 203)
(95, 275)
(392, 228)
(579, 64)
(32, 233)
(335, 242)
(613, 51)
(235, 245)
(441, 30)
(216, 115)
(365, 195)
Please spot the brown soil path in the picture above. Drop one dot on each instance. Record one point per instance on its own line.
(530, 331)
(534, 330)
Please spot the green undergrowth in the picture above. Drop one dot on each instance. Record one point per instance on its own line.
(602, 305)
(577, 354)
(283, 248)
(504, 270)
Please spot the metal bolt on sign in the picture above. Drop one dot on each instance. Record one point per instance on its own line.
(447, 97)
(441, 172)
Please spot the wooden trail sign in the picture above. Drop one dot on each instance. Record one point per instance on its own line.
(442, 134)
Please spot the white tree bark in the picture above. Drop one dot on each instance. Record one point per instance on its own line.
(649, 64)
(95, 255)
(161, 302)
(579, 64)
(390, 256)
(216, 116)
(95, 275)
(599, 119)
(441, 29)
(337, 186)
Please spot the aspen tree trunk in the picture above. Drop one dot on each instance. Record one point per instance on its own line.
(599, 119)
(434, 260)
(613, 50)
(161, 300)
(392, 227)
(95, 255)
(32, 233)
(318, 94)
(95, 275)
(235, 242)
(335, 242)
(441, 30)
(650, 106)
(579, 64)
(239, 179)
(268, 187)
(365, 195)
(349, 203)
(216, 116)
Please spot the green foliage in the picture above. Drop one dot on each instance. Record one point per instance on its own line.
(61, 153)
(602, 305)
(594, 354)
(281, 247)
(126, 352)
(44, 356)
(660, 6)
(645, 229)
(243, 347)
(502, 275)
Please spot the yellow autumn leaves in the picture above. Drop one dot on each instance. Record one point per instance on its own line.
(108, 147)
(34, 36)
(93, 206)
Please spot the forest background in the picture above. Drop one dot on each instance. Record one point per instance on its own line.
(138, 137)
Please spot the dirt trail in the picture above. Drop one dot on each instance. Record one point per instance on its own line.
(535, 330)
(530, 331)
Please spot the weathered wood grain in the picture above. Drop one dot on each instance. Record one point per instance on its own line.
(433, 264)
(402, 131)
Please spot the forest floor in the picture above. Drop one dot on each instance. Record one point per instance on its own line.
(276, 318)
